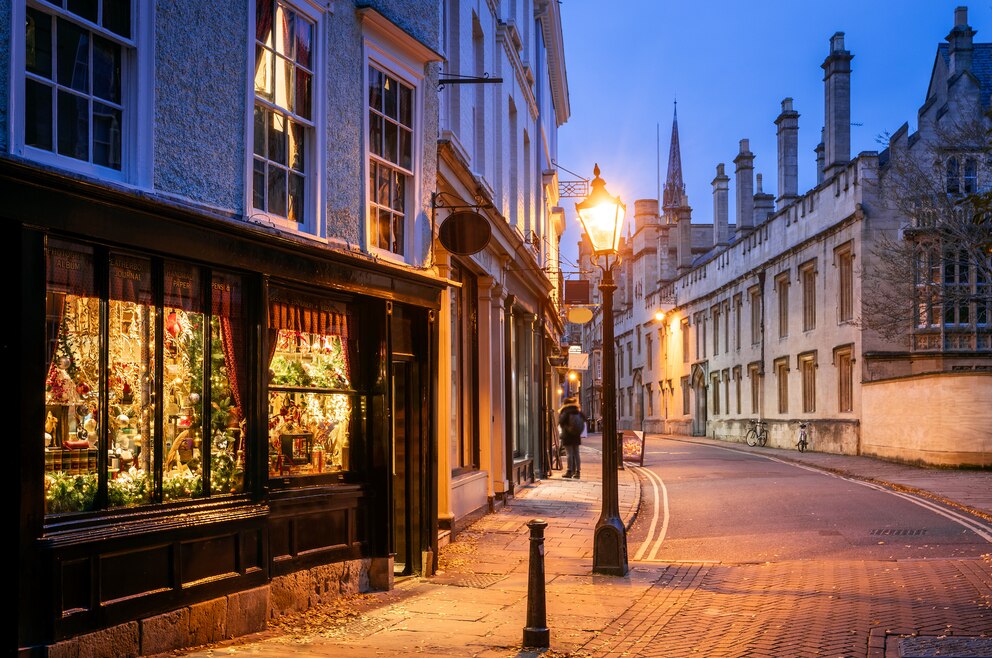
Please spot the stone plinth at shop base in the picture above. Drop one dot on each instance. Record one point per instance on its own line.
(231, 616)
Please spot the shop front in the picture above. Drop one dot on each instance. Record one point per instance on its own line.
(204, 409)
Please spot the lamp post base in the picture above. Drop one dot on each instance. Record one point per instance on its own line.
(609, 552)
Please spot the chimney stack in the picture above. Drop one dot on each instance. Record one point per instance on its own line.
(721, 207)
(837, 114)
(788, 153)
(745, 187)
(960, 39)
(764, 204)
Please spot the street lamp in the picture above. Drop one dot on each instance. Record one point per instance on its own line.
(602, 220)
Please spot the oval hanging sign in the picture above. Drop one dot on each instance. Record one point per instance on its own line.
(464, 233)
(579, 315)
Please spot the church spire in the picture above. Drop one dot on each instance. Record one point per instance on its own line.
(674, 194)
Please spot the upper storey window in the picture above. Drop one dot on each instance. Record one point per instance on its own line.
(78, 105)
(953, 176)
(390, 159)
(962, 175)
(394, 68)
(283, 163)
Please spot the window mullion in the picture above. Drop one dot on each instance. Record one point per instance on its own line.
(158, 445)
(102, 272)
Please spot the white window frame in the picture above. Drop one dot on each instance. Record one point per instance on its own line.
(137, 88)
(314, 224)
(396, 53)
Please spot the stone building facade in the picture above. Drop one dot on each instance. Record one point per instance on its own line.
(505, 96)
(719, 324)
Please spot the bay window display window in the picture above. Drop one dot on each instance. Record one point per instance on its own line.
(72, 385)
(311, 398)
(130, 368)
(113, 351)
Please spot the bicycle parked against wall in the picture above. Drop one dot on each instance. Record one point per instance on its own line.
(803, 441)
(757, 433)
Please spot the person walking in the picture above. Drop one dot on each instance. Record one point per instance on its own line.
(571, 424)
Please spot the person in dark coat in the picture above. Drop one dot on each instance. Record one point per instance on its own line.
(571, 424)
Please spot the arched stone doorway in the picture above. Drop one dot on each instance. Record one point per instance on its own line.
(698, 380)
(638, 415)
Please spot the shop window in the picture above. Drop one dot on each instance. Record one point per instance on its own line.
(77, 63)
(311, 399)
(285, 137)
(107, 443)
(464, 380)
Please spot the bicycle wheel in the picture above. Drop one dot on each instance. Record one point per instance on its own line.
(802, 443)
(763, 438)
(751, 437)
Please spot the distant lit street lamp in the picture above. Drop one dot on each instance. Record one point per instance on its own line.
(602, 221)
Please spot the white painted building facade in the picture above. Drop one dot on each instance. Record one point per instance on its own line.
(506, 97)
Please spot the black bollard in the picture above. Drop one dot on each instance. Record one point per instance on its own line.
(536, 632)
(620, 450)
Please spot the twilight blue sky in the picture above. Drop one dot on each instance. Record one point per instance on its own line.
(730, 63)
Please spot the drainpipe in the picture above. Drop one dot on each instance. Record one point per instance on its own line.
(761, 326)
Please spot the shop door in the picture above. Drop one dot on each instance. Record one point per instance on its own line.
(407, 513)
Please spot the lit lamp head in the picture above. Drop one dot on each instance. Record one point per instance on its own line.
(602, 217)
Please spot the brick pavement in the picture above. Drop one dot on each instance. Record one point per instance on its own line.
(476, 604)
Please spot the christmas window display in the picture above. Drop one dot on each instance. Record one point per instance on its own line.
(310, 390)
(111, 445)
(72, 384)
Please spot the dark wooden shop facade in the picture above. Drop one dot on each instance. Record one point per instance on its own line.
(279, 508)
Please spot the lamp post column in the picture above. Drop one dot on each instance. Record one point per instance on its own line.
(609, 554)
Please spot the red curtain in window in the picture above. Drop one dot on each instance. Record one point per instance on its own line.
(226, 307)
(289, 311)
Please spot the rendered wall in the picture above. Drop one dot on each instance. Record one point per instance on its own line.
(200, 109)
(942, 419)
